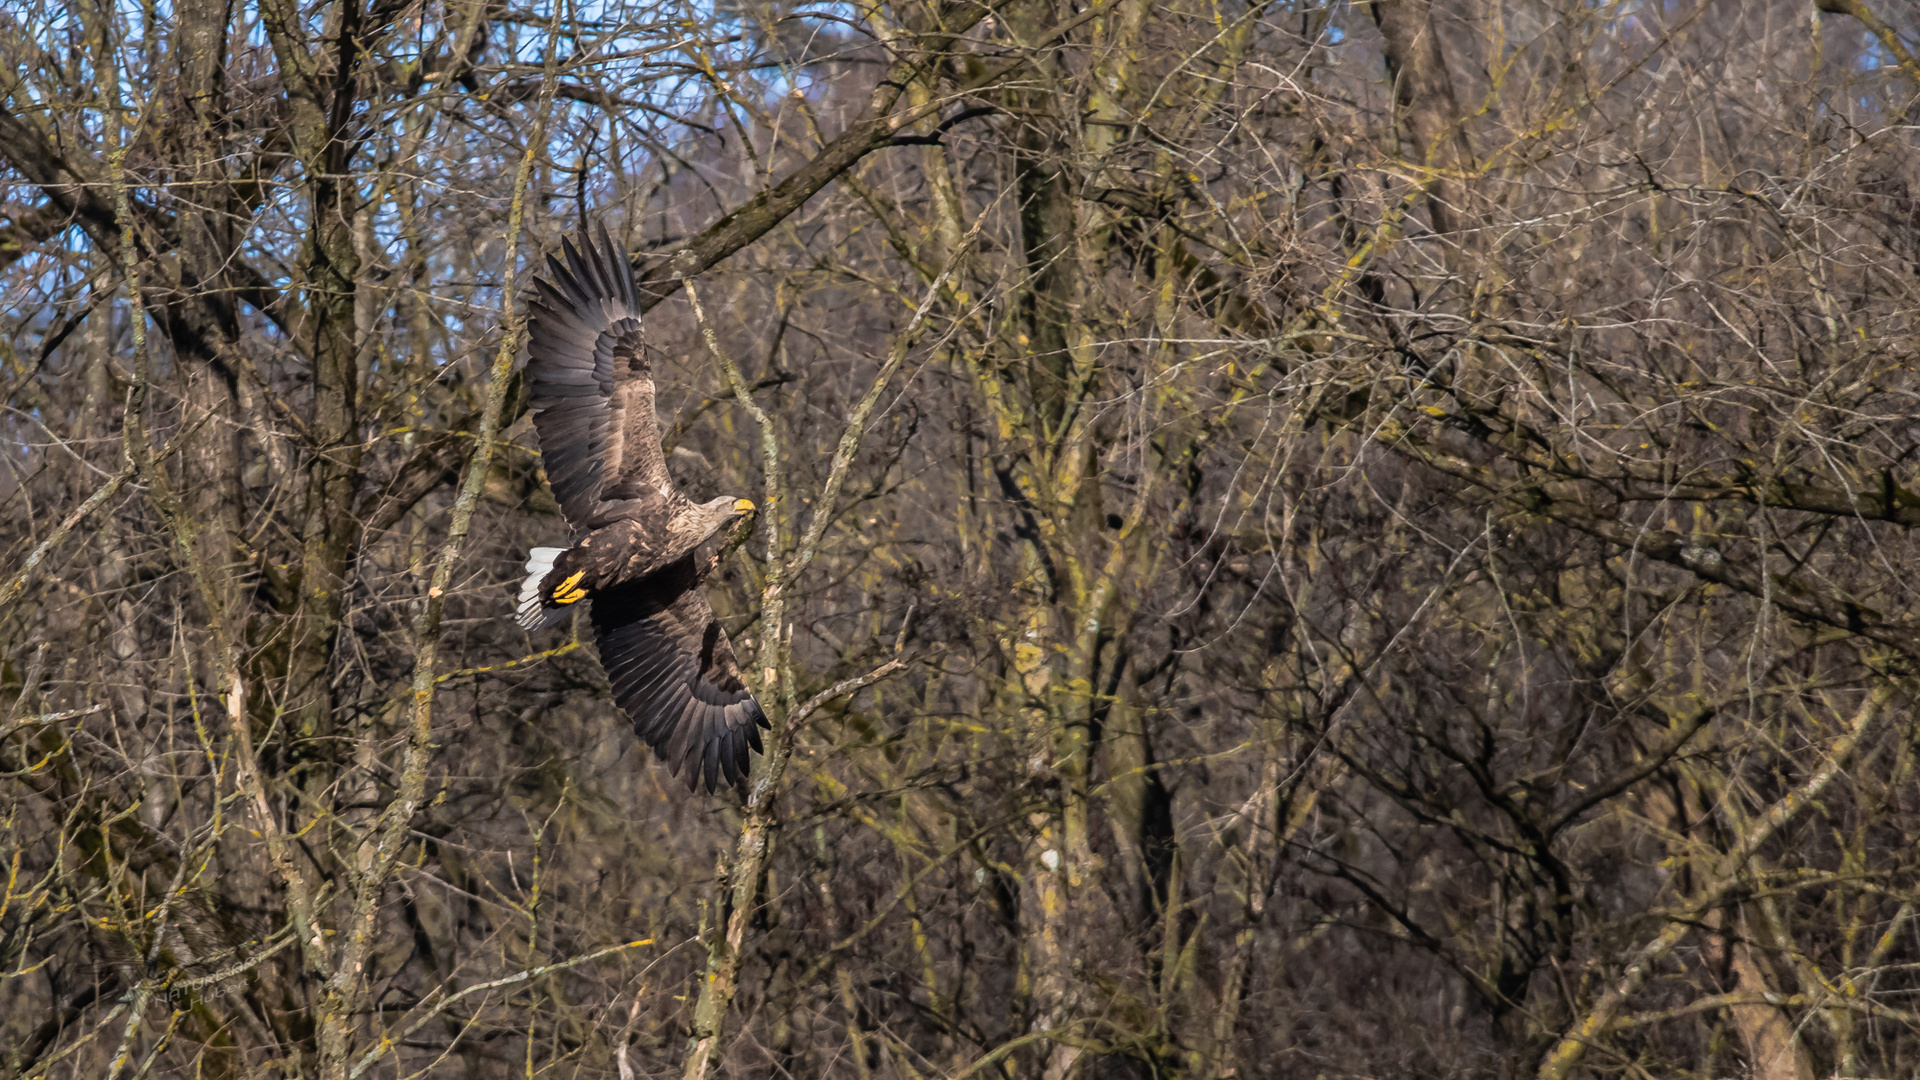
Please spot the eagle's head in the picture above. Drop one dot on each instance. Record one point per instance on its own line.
(725, 510)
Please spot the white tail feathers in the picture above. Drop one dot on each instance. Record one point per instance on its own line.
(535, 615)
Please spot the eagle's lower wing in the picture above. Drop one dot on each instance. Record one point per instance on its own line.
(675, 675)
(589, 384)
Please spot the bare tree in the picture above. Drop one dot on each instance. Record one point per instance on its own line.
(1296, 539)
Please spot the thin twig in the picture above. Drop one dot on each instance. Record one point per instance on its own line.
(840, 689)
(389, 1042)
(49, 718)
(508, 665)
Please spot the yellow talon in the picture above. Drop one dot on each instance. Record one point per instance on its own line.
(567, 591)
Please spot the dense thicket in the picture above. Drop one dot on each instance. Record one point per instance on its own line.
(1298, 539)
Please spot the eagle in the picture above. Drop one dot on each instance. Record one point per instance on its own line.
(590, 388)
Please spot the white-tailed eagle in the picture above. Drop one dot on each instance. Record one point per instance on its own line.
(590, 387)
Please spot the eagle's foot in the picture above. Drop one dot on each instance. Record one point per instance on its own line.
(570, 591)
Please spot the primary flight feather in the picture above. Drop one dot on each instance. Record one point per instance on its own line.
(590, 387)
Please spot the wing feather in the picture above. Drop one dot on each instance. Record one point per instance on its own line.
(675, 676)
(587, 372)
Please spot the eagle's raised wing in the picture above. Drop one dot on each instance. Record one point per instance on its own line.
(589, 383)
(675, 676)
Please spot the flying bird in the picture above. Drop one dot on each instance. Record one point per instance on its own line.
(590, 387)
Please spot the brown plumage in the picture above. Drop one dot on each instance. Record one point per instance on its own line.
(590, 387)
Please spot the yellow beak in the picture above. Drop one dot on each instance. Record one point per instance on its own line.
(743, 506)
